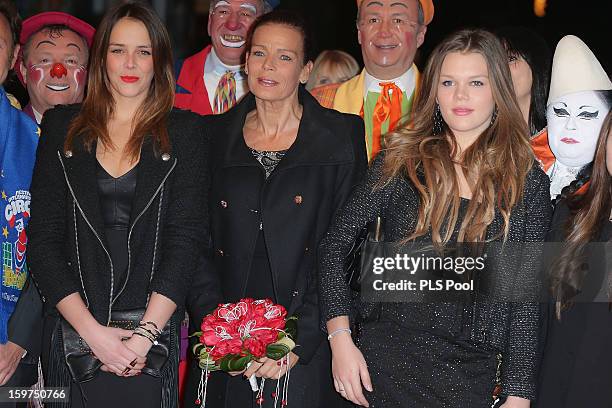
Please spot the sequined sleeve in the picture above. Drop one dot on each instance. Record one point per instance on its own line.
(520, 366)
(363, 205)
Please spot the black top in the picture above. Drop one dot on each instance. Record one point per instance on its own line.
(577, 357)
(116, 196)
(259, 284)
(508, 328)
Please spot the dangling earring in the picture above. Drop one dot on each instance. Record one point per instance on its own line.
(438, 121)
(494, 116)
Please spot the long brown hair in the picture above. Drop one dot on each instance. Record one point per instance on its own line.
(588, 214)
(496, 164)
(90, 125)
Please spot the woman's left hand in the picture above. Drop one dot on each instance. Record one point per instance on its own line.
(140, 346)
(269, 368)
(516, 402)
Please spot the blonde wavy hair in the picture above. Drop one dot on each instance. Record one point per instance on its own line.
(495, 165)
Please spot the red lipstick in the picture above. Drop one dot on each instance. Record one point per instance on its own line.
(129, 79)
(569, 140)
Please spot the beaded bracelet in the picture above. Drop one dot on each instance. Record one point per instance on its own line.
(338, 331)
(139, 331)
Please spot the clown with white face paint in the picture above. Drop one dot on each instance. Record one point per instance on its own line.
(213, 80)
(579, 100)
(53, 60)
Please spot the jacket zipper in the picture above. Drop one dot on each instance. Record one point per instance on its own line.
(110, 260)
(132, 228)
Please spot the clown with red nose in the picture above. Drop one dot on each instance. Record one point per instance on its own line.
(53, 60)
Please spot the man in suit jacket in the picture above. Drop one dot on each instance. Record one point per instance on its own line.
(389, 31)
(212, 81)
(18, 140)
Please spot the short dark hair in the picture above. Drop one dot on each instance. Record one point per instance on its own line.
(529, 45)
(55, 31)
(287, 18)
(9, 11)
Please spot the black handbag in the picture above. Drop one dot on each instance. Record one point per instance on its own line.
(83, 365)
(363, 249)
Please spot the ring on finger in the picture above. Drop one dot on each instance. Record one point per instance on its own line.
(126, 371)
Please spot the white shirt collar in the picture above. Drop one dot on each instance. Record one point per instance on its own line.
(37, 115)
(405, 82)
(218, 67)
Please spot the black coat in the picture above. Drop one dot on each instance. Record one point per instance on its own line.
(295, 205)
(167, 226)
(576, 366)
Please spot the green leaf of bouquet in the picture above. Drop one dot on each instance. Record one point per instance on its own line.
(234, 362)
(291, 327)
(280, 349)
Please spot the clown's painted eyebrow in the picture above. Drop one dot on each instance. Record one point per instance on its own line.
(378, 3)
(249, 7)
(587, 106)
(53, 44)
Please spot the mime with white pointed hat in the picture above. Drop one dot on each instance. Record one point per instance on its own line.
(579, 99)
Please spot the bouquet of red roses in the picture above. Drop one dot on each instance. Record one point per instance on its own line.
(235, 334)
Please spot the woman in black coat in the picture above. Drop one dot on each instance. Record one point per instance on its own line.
(577, 363)
(118, 216)
(281, 166)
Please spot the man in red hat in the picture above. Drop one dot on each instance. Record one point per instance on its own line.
(389, 32)
(212, 81)
(53, 60)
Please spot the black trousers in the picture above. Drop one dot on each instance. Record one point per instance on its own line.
(22, 378)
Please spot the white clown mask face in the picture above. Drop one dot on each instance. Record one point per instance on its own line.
(574, 122)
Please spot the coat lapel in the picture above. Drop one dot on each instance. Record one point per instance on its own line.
(81, 174)
(152, 170)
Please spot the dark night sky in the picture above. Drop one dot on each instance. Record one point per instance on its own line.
(333, 21)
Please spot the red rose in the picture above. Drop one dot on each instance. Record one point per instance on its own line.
(255, 347)
(225, 347)
(265, 336)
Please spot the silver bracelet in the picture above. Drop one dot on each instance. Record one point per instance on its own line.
(338, 331)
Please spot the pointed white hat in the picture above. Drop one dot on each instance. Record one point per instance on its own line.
(575, 69)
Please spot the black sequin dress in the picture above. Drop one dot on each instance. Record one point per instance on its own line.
(441, 354)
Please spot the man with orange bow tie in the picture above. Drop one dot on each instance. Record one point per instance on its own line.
(389, 31)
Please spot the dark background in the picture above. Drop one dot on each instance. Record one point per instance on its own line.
(333, 21)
